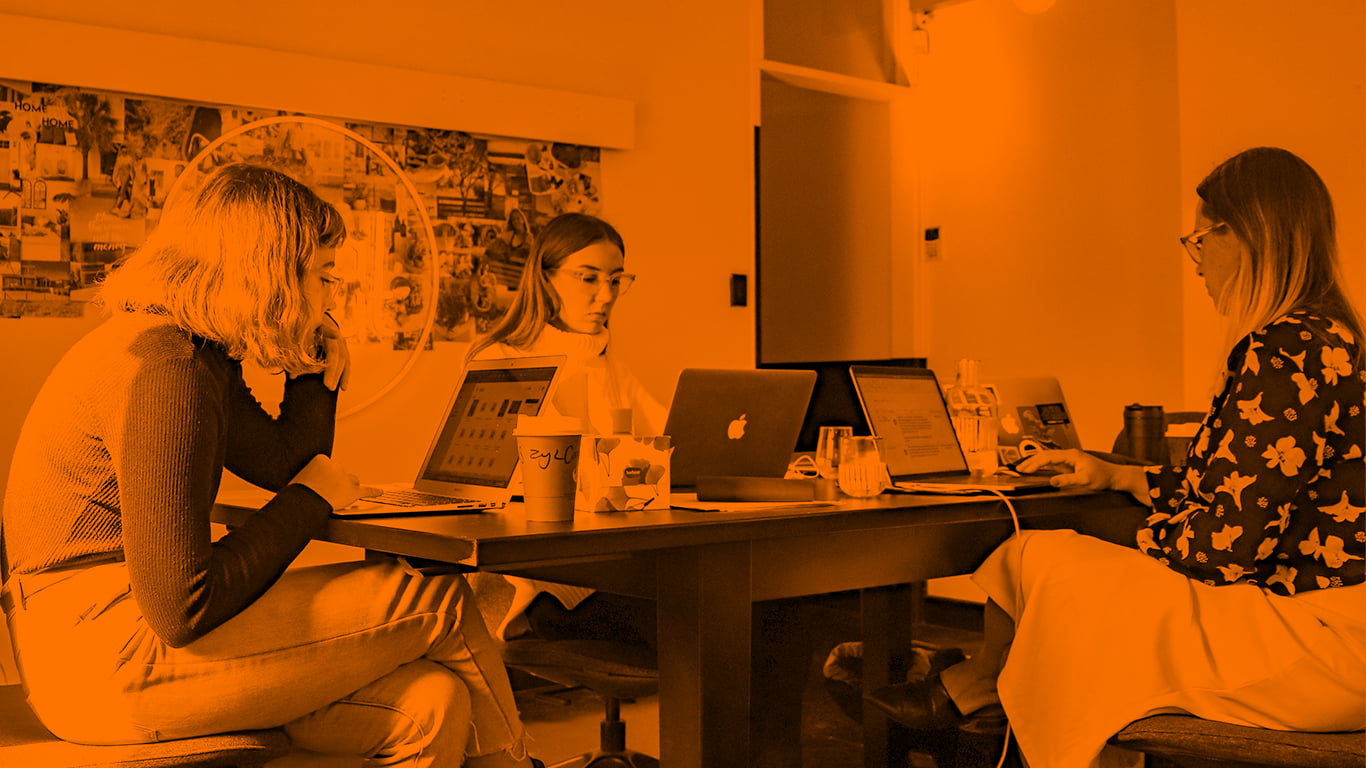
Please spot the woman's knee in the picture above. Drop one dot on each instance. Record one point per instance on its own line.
(419, 709)
(432, 711)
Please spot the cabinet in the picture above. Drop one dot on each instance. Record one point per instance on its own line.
(839, 260)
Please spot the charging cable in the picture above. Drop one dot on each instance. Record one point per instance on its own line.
(1019, 600)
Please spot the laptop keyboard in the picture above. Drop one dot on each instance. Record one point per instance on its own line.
(410, 498)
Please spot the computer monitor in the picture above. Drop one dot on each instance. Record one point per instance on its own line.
(834, 402)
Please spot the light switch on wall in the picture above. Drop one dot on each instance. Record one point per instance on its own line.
(933, 249)
(739, 290)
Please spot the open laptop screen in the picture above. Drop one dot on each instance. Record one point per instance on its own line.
(906, 409)
(476, 446)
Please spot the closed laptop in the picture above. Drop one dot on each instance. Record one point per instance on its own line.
(735, 422)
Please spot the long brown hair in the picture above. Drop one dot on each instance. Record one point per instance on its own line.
(227, 263)
(1280, 210)
(537, 303)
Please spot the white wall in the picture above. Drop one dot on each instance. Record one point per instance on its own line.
(1065, 148)
(1051, 171)
(1259, 73)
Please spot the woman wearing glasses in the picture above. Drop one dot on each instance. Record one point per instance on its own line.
(570, 284)
(1242, 599)
(572, 280)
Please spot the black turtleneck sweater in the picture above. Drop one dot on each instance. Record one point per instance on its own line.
(121, 457)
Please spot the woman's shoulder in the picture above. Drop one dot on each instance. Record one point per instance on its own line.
(133, 344)
(1297, 332)
(499, 351)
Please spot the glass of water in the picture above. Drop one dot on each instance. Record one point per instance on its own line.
(862, 473)
(828, 450)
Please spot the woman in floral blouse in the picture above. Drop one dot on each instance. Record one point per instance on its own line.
(1244, 600)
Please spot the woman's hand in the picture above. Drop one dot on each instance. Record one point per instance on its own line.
(336, 355)
(1080, 469)
(330, 480)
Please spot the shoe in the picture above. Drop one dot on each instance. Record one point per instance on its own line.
(921, 705)
(943, 658)
(843, 672)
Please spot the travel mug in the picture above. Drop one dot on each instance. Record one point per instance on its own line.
(1146, 426)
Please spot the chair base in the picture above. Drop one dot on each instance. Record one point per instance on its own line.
(627, 759)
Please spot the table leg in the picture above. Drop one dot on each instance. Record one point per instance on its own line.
(779, 668)
(704, 656)
(888, 614)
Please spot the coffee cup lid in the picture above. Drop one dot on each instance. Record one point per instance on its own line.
(548, 424)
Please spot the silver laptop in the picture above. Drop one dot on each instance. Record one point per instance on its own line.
(1034, 417)
(473, 456)
(735, 423)
(905, 407)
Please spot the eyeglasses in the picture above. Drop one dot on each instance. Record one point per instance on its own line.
(1193, 241)
(591, 280)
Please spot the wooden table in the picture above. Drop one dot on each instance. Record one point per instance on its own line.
(707, 569)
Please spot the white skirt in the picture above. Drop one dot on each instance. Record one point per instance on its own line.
(1105, 635)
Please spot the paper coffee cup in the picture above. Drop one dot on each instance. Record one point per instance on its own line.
(548, 449)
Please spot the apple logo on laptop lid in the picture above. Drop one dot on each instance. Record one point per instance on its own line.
(736, 429)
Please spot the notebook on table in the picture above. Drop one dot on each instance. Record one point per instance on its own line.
(735, 423)
(905, 407)
(470, 463)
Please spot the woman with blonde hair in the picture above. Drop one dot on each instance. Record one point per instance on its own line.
(1241, 600)
(130, 623)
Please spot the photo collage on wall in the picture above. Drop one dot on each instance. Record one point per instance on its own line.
(85, 173)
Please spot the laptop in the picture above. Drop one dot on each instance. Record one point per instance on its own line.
(833, 401)
(471, 461)
(1034, 417)
(906, 408)
(735, 423)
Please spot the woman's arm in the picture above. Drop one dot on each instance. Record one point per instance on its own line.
(269, 451)
(167, 443)
(1243, 504)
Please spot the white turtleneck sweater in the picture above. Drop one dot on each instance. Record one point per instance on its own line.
(593, 381)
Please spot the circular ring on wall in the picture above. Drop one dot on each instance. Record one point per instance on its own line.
(388, 264)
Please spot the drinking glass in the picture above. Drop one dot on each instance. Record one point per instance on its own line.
(862, 473)
(828, 450)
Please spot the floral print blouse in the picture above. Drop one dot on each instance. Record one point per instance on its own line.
(1273, 492)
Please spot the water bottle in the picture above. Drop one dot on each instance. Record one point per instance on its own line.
(975, 415)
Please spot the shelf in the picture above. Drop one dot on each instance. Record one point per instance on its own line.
(222, 73)
(830, 82)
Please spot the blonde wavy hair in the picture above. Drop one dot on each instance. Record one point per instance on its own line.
(227, 263)
(1280, 210)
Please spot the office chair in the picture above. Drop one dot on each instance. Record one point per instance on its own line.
(615, 671)
(24, 741)
(1192, 742)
